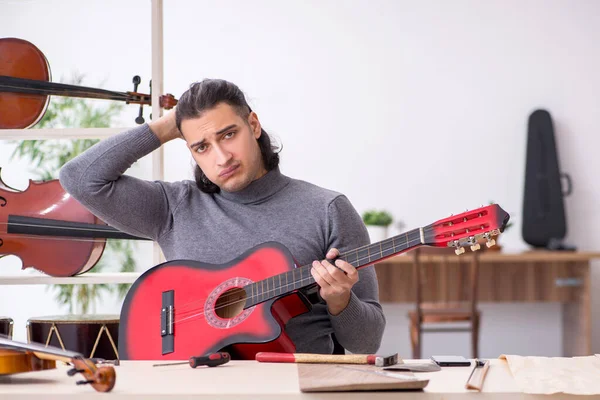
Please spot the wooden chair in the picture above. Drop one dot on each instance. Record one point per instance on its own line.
(458, 300)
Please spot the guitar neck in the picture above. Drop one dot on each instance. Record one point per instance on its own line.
(300, 277)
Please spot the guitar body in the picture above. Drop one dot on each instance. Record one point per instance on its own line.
(182, 308)
(208, 312)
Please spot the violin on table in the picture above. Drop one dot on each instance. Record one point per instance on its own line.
(17, 357)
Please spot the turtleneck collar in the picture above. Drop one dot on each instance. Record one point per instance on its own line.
(258, 190)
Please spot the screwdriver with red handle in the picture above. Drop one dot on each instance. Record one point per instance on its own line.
(211, 360)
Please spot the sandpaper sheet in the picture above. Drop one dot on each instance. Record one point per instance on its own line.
(549, 375)
(343, 378)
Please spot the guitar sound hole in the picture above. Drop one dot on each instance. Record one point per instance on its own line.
(231, 303)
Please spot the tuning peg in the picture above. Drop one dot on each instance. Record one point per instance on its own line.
(459, 250)
(140, 119)
(84, 382)
(475, 247)
(73, 371)
(136, 81)
(490, 242)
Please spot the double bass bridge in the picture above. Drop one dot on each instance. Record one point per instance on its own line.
(166, 321)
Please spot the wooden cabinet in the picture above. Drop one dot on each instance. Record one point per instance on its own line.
(535, 276)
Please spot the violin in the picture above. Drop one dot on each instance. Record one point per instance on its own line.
(17, 357)
(51, 231)
(25, 86)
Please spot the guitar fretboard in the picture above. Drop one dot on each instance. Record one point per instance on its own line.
(301, 277)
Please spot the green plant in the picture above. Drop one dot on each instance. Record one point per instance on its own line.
(377, 218)
(48, 156)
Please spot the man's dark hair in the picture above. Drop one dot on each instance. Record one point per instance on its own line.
(207, 94)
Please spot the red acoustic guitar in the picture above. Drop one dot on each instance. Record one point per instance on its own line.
(182, 308)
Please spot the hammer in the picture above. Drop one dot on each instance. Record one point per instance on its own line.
(379, 361)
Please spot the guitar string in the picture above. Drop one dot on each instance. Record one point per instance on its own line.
(200, 314)
(183, 307)
(409, 243)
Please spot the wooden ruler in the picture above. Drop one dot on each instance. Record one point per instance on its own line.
(475, 380)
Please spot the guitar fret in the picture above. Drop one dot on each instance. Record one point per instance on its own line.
(387, 252)
(280, 287)
(300, 277)
(267, 282)
(361, 256)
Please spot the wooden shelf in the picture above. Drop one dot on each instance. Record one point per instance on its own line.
(63, 133)
(88, 278)
(535, 256)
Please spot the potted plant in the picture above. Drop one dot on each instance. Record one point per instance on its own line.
(377, 222)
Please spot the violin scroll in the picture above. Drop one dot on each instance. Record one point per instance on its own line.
(167, 101)
(102, 378)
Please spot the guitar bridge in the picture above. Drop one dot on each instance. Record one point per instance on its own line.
(166, 322)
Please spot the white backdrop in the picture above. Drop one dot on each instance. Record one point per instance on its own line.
(418, 107)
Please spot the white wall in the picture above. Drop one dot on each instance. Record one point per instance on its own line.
(419, 107)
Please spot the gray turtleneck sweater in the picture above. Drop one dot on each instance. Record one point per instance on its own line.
(216, 228)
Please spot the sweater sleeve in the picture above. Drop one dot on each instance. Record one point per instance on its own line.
(96, 179)
(359, 327)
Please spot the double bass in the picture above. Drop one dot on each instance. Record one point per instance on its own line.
(43, 225)
(49, 230)
(25, 87)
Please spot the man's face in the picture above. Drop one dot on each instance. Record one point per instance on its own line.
(225, 146)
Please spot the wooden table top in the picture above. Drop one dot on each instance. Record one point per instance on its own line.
(244, 380)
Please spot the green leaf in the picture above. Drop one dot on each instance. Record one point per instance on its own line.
(48, 156)
(378, 218)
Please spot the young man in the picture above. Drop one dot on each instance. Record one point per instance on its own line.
(239, 199)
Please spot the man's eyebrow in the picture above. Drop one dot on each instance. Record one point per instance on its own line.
(220, 132)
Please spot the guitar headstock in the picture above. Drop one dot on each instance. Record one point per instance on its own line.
(467, 229)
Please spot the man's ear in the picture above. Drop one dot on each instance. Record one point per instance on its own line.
(254, 124)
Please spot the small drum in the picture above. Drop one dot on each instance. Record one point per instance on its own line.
(93, 336)
(6, 327)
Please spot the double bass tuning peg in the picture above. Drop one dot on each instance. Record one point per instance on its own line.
(136, 81)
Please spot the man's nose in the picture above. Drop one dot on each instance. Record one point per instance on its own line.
(223, 156)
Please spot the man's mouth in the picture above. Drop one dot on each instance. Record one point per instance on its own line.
(227, 172)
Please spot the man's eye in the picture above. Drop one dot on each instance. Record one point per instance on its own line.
(201, 148)
(229, 135)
